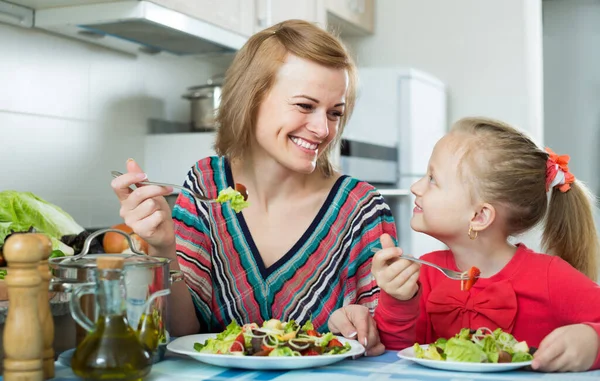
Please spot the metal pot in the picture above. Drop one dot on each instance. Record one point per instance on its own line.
(143, 275)
(204, 102)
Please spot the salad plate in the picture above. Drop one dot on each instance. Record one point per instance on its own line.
(185, 345)
(481, 350)
(458, 366)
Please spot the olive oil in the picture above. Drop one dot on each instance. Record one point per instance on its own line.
(112, 351)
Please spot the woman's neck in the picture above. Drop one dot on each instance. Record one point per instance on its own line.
(488, 253)
(269, 182)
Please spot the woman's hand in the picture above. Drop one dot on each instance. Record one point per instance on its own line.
(572, 348)
(145, 210)
(355, 322)
(397, 277)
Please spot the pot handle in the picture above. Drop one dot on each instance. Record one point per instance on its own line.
(88, 242)
(175, 276)
(65, 285)
(75, 305)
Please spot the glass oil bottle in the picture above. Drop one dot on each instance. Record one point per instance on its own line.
(111, 350)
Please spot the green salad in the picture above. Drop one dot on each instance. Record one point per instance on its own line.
(480, 345)
(273, 338)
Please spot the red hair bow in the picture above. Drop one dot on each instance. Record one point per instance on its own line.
(557, 163)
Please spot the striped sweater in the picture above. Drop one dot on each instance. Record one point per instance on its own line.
(328, 268)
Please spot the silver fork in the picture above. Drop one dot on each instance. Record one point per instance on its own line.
(197, 196)
(447, 272)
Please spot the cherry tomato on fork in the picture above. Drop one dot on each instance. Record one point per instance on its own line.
(473, 276)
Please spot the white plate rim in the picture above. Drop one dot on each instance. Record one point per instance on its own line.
(408, 354)
(262, 361)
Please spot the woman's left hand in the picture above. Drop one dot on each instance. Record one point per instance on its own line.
(355, 322)
(572, 348)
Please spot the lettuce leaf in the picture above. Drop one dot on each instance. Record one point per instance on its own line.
(464, 350)
(234, 197)
(20, 211)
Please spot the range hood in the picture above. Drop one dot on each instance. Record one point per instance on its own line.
(133, 26)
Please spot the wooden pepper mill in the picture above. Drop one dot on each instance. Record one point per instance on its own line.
(23, 342)
(46, 319)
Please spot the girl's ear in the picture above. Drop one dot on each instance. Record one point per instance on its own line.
(483, 217)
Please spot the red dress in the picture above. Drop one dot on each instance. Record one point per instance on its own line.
(530, 297)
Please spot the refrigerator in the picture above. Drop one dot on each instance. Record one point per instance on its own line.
(400, 114)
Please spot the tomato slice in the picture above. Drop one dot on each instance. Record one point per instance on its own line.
(473, 276)
(334, 343)
(310, 352)
(238, 344)
(312, 332)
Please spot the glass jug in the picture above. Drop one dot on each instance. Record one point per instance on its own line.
(112, 349)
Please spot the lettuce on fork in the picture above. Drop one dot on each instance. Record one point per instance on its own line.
(234, 197)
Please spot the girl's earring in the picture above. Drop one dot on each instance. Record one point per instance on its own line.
(470, 233)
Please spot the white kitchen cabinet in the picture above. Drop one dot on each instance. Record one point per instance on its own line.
(235, 15)
(270, 12)
(347, 17)
(351, 17)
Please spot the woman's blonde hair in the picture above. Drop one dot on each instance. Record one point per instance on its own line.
(509, 169)
(252, 75)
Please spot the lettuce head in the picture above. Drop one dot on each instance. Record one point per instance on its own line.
(21, 211)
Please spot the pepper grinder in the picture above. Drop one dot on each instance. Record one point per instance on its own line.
(46, 319)
(23, 342)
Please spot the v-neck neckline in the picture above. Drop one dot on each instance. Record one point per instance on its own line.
(267, 271)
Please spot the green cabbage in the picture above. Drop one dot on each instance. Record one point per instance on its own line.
(20, 211)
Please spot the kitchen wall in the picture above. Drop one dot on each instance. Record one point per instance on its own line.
(488, 52)
(70, 112)
(572, 84)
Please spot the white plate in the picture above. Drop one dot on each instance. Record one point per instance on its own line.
(185, 346)
(409, 354)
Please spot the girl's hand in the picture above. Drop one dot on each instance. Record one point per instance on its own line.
(397, 277)
(572, 348)
(145, 210)
(356, 323)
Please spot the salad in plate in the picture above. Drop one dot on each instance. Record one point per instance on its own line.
(481, 346)
(273, 338)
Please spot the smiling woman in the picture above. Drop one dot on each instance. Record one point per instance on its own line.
(302, 248)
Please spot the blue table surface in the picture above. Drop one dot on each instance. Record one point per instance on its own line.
(385, 367)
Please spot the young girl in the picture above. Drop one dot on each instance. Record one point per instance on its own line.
(486, 181)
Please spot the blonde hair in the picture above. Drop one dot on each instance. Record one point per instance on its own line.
(509, 169)
(252, 75)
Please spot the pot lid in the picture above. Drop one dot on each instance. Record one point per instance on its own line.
(89, 261)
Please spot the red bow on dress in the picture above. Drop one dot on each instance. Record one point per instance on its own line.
(451, 309)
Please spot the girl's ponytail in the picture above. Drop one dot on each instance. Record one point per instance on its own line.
(569, 230)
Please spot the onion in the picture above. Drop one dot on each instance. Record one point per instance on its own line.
(257, 333)
(273, 340)
(299, 345)
(116, 243)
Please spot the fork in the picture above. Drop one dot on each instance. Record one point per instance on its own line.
(447, 272)
(197, 196)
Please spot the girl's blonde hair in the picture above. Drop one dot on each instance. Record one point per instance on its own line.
(252, 75)
(509, 169)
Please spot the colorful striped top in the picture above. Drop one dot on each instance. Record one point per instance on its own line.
(329, 267)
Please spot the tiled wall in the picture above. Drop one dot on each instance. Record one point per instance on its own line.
(70, 112)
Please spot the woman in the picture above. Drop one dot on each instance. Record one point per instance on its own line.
(302, 249)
